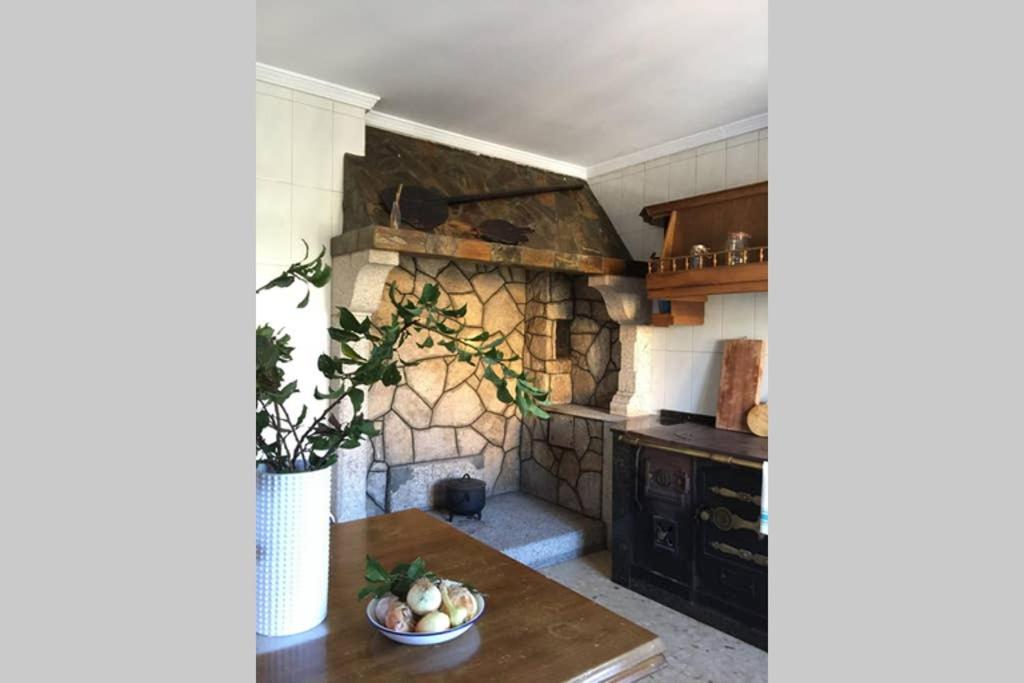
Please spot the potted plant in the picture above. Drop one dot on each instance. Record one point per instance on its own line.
(295, 453)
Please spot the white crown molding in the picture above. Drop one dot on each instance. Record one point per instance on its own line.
(680, 144)
(315, 86)
(396, 124)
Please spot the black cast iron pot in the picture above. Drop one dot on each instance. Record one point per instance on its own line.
(465, 496)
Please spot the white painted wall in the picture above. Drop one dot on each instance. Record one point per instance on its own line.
(300, 143)
(688, 360)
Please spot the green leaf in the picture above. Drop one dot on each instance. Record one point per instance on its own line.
(416, 569)
(391, 376)
(428, 297)
(305, 300)
(347, 320)
(455, 312)
(349, 352)
(503, 394)
(480, 337)
(375, 571)
(325, 364)
(356, 396)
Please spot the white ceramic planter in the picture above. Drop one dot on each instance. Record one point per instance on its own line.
(292, 544)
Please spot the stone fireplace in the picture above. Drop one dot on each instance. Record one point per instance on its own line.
(568, 302)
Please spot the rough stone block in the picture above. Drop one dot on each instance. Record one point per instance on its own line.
(537, 481)
(561, 430)
(458, 407)
(427, 379)
(397, 440)
(420, 485)
(435, 443)
(411, 407)
(589, 489)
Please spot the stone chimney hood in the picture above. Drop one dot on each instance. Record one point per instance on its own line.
(571, 232)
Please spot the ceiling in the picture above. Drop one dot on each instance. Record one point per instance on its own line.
(584, 82)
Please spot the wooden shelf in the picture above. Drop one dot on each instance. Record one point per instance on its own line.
(749, 277)
(419, 243)
(707, 220)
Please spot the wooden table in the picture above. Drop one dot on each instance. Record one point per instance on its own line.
(533, 629)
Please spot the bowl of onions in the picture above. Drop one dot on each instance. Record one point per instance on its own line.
(416, 607)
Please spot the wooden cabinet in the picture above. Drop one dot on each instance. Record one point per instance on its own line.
(707, 220)
(685, 533)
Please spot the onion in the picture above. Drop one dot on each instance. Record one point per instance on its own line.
(399, 617)
(456, 614)
(423, 597)
(461, 596)
(380, 610)
(433, 622)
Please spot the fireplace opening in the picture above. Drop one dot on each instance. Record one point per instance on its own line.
(563, 345)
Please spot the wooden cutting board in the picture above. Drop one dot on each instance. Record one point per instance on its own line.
(740, 383)
(757, 419)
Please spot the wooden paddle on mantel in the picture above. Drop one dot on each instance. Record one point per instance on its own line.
(425, 208)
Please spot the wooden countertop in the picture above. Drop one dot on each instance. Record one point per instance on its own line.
(533, 629)
(694, 435)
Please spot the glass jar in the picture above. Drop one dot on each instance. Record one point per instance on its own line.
(697, 254)
(736, 244)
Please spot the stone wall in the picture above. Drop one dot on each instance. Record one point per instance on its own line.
(596, 351)
(442, 421)
(562, 461)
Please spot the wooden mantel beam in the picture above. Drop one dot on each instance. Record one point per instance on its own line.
(419, 243)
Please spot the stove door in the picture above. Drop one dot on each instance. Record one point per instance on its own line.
(664, 522)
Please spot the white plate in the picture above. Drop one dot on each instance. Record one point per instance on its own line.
(412, 638)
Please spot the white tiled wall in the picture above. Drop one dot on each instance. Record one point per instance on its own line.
(300, 144)
(688, 360)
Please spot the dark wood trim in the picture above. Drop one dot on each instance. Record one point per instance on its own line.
(655, 212)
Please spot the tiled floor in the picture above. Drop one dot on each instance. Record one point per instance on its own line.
(695, 651)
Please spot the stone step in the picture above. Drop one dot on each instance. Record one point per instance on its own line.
(532, 531)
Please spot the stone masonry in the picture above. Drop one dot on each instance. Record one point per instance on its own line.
(443, 420)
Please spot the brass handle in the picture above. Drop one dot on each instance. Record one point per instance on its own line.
(725, 520)
(737, 495)
(760, 560)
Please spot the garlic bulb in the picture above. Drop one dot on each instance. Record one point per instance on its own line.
(399, 617)
(423, 597)
(380, 610)
(433, 622)
(461, 596)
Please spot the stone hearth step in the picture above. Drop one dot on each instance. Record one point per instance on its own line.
(532, 531)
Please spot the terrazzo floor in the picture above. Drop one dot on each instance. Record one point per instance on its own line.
(694, 650)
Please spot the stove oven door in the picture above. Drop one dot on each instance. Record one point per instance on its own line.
(664, 521)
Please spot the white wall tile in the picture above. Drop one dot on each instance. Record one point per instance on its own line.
(273, 138)
(762, 134)
(312, 220)
(275, 90)
(273, 222)
(349, 138)
(711, 172)
(762, 159)
(679, 338)
(761, 315)
(737, 140)
(741, 165)
(609, 194)
(706, 372)
(711, 147)
(314, 101)
(656, 185)
(312, 138)
(657, 387)
(682, 178)
(708, 337)
(678, 381)
(349, 110)
(738, 316)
